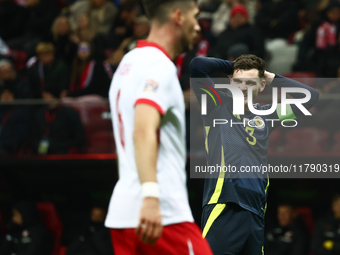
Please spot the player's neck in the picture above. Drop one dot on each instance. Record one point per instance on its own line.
(165, 37)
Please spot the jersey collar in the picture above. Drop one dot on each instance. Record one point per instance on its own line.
(144, 43)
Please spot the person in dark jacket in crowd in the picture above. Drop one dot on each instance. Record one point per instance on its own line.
(12, 19)
(61, 33)
(326, 238)
(10, 79)
(289, 237)
(123, 24)
(39, 16)
(278, 19)
(95, 238)
(26, 234)
(14, 123)
(88, 75)
(319, 50)
(47, 72)
(58, 128)
(239, 31)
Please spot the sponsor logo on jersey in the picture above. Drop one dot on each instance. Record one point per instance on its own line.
(257, 123)
(151, 86)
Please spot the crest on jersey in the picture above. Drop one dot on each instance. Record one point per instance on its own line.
(257, 123)
(151, 86)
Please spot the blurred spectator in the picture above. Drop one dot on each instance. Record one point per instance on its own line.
(141, 30)
(278, 19)
(239, 31)
(95, 239)
(220, 18)
(65, 48)
(200, 49)
(89, 76)
(4, 49)
(26, 234)
(219, 12)
(84, 33)
(12, 19)
(319, 49)
(83, 30)
(37, 23)
(289, 237)
(57, 128)
(47, 72)
(14, 123)
(10, 79)
(101, 14)
(123, 24)
(326, 238)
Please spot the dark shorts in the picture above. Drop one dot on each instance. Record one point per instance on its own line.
(232, 230)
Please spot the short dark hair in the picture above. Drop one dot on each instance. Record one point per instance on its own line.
(248, 62)
(335, 198)
(159, 9)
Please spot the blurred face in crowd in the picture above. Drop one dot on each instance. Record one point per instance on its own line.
(285, 215)
(231, 3)
(190, 29)
(46, 58)
(98, 215)
(243, 79)
(7, 73)
(62, 26)
(238, 20)
(336, 208)
(6, 96)
(17, 217)
(83, 22)
(141, 29)
(334, 14)
(31, 3)
(84, 51)
(97, 3)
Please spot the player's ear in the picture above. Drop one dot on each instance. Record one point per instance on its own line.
(178, 17)
(263, 85)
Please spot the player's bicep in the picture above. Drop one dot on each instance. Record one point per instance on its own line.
(147, 120)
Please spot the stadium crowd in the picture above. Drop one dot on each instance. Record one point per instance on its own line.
(70, 49)
(52, 50)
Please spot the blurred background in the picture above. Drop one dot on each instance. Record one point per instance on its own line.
(57, 151)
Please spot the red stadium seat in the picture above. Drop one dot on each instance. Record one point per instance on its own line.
(305, 142)
(92, 111)
(102, 142)
(307, 78)
(275, 142)
(306, 215)
(19, 59)
(336, 147)
(51, 220)
(62, 250)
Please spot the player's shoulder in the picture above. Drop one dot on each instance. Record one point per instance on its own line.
(150, 56)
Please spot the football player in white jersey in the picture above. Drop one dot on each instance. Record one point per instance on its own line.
(149, 211)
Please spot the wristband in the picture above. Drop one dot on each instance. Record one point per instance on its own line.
(150, 189)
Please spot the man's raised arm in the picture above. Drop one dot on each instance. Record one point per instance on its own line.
(280, 82)
(202, 67)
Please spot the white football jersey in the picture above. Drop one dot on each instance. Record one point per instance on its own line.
(146, 75)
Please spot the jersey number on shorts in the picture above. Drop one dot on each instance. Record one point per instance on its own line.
(120, 121)
(252, 139)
